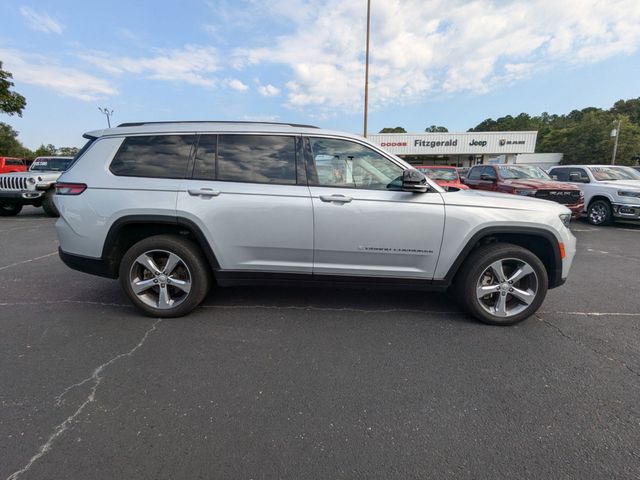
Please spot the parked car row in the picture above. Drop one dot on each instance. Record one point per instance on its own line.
(604, 193)
(32, 187)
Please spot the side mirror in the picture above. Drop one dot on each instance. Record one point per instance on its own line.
(414, 181)
(487, 177)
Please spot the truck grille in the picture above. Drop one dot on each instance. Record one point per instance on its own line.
(565, 197)
(13, 183)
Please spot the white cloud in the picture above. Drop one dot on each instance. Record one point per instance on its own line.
(41, 21)
(268, 90)
(428, 47)
(236, 84)
(191, 64)
(43, 72)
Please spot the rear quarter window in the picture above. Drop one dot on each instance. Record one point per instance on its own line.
(154, 156)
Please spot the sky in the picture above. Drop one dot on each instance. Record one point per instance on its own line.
(443, 62)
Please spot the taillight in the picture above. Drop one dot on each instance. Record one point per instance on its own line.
(70, 188)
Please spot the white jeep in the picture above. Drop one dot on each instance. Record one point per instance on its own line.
(34, 187)
(610, 191)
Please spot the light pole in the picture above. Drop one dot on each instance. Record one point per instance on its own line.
(366, 69)
(107, 113)
(615, 133)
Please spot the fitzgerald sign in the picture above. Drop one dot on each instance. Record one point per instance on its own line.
(471, 143)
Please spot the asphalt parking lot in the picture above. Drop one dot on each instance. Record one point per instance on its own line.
(316, 383)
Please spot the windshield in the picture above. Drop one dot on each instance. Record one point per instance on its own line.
(50, 164)
(607, 174)
(522, 171)
(446, 174)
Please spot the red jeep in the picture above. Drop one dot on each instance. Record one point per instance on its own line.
(12, 164)
(525, 180)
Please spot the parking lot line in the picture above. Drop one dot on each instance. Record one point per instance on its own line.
(28, 261)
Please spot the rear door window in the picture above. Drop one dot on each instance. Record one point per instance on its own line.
(154, 156)
(255, 159)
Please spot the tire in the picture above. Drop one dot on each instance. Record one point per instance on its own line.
(162, 295)
(48, 206)
(9, 210)
(599, 213)
(499, 305)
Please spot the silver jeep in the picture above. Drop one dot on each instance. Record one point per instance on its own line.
(171, 208)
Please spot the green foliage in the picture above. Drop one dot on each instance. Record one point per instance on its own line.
(436, 128)
(9, 143)
(583, 136)
(46, 151)
(10, 102)
(393, 130)
(68, 151)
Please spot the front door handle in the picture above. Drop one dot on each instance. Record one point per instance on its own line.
(335, 198)
(203, 192)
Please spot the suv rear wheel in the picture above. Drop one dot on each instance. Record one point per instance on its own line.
(502, 284)
(165, 275)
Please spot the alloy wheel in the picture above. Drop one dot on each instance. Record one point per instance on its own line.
(160, 279)
(507, 287)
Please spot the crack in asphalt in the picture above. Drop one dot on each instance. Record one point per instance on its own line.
(96, 377)
(577, 341)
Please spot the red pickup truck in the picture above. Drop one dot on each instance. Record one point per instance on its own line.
(525, 180)
(12, 164)
(444, 176)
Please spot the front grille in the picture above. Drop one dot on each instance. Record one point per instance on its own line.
(13, 183)
(565, 197)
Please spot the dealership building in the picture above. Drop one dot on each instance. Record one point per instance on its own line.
(465, 149)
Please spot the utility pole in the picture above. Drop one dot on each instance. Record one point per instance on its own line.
(615, 133)
(107, 113)
(366, 69)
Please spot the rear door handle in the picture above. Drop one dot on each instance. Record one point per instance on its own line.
(335, 198)
(203, 192)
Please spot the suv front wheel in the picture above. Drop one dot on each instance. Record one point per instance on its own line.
(502, 284)
(165, 275)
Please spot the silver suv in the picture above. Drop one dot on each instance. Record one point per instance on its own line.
(170, 208)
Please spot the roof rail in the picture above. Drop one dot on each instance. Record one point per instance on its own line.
(138, 124)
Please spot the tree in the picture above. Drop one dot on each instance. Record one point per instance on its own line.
(46, 151)
(68, 151)
(10, 102)
(393, 130)
(9, 143)
(630, 108)
(435, 128)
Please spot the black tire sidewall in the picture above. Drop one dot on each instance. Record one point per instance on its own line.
(607, 207)
(477, 263)
(11, 212)
(48, 205)
(189, 252)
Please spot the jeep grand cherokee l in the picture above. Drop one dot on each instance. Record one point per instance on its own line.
(168, 208)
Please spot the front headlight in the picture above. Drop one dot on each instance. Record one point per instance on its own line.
(530, 193)
(565, 218)
(629, 193)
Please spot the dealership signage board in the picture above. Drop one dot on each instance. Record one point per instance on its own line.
(456, 143)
